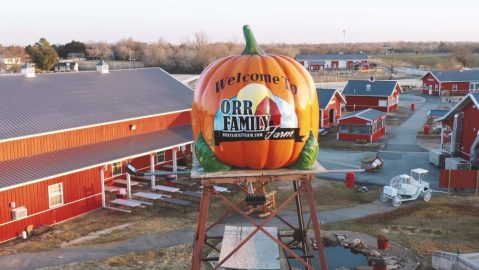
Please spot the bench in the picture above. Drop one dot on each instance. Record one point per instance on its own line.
(177, 202)
(142, 202)
(193, 196)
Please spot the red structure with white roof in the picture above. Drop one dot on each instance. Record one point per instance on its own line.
(366, 125)
(64, 138)
(453, 82)
(330, 103)
(381, 95)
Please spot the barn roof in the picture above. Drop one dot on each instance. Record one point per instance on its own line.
(326, 95)
(37, 168)
(382, 88)
(437, 113)
(54, 102)
(333, 56)
(455, 75)
(368, 114)
(460, 106)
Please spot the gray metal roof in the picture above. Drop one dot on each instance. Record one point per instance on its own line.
(377, 88)
(334, 56)
(460, 106)
(437, 113)
(24, 170)
(58, 101)
(316, 62)
(325, 95)
(369, 114)
(456, 75)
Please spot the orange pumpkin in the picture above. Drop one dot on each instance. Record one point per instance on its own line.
(255, 110)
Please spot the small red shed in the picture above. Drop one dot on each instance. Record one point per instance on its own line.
(65, 137)
(382, 95)
(366, 125)
(454, 82)
(466, 141)
(330, 103)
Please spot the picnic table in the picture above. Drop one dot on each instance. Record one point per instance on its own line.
(177, 202)
(127, 203)
(219, 189)
(166, 188)
(185, 183)
(111, 189)
(179, 168)
(124, 182)
(193, 196)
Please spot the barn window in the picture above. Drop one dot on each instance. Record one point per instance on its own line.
(454, 87)
(55, 195)
(354, 129)
(160, 157)
(474, 86)
(116, 168)
(383, 103)
(183, 148)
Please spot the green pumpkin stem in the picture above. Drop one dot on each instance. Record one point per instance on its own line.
(252, 46)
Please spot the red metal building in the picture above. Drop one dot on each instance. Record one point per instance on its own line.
(381, 95)
(63, 135)
(453, 82)
(366, 125)
(330, 103)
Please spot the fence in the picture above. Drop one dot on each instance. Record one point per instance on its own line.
(467, 179)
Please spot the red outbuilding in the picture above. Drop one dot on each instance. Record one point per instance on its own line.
(366, 125)
(453, 82)
(64, 138)
(463, 120)
(381, 95)
(330, 103)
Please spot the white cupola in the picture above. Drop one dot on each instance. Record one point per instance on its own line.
(102, 66)
(28, 70)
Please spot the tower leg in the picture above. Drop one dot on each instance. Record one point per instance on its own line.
(300, 233)
(316, 226)
(200, 235)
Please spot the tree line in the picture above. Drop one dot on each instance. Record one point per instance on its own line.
(195, 53)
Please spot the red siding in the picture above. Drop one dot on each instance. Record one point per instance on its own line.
(354, 137)
(357, 103)
(429, 80)
(459, 179)
(337, 111)
(63, 140)
(76, 187)
(462, 88)
(471, 127)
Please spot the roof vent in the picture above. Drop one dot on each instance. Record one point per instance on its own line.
(368, 87)
(28, 70)
(102, 66)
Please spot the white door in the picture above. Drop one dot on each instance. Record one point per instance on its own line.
(430, 89)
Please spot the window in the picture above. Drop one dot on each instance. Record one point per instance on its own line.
(55, 195)
(474, 87)
(454, 87)
(160, 157)
(354, 129)
(183, 149)
(436, 87)
(116, 168)
(383, 103)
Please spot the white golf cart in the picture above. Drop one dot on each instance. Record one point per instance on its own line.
(407, 188)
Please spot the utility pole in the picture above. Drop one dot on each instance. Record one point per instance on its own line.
(344, 40)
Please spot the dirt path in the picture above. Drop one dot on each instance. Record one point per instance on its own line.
(67, 255)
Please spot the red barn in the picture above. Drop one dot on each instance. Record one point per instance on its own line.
(382, 95)
(330, 103)
(466, 115)
(63, 135)
(454, 82)
(366, 125)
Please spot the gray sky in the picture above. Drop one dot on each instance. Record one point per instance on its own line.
(296, 21)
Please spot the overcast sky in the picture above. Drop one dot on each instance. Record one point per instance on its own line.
(295, 21)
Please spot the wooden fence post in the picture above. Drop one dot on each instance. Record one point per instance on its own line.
(477, 182)
(449, 182)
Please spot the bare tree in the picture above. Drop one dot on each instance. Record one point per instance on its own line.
(98, 49)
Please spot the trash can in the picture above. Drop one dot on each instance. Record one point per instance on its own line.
(350, 179)
(413, 106)
(383, 243)
(426, 129)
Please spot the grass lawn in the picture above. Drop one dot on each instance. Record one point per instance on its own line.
(446, 223)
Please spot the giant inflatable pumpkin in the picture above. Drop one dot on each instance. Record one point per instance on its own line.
(255, 111)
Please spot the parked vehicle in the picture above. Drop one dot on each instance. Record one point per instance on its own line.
(407, 188)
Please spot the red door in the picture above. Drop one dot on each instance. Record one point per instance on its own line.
(334, 64)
